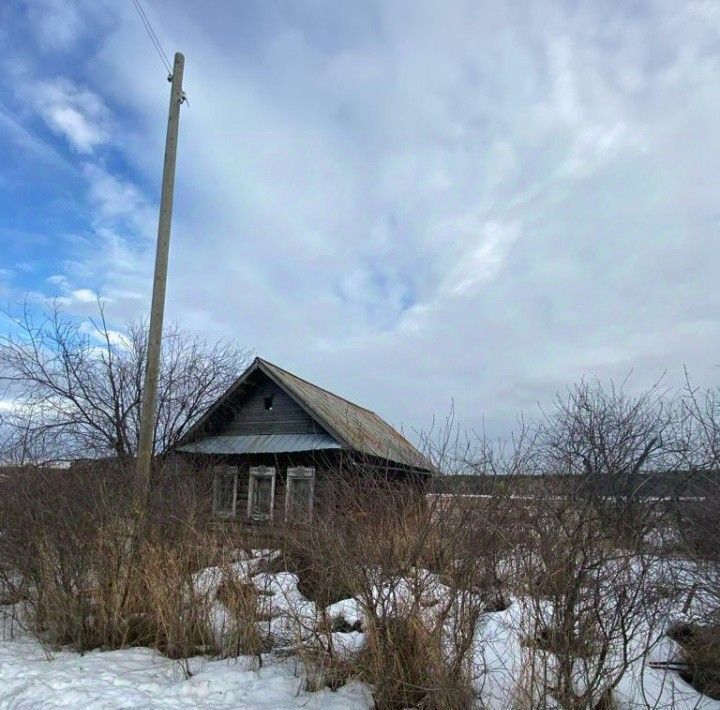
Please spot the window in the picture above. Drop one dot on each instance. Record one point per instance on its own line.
(299, 493)
(225, 492)
(261, 493)
(268, 403)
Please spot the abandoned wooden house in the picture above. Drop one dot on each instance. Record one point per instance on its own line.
(274, 442)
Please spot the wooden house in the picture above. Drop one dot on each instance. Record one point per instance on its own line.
(274, 441)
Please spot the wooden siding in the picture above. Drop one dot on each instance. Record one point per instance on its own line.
(329, 467)
(246, 412)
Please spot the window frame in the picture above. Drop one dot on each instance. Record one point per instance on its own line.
(255, 473)
(218, 473)
(299, 473)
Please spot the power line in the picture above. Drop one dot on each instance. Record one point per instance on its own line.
(153, 37)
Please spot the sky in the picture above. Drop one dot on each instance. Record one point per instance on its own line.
(419, 205)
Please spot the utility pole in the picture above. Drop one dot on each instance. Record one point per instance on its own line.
(149, 400)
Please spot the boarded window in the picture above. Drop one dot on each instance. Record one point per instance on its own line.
(299, 493)
(262, 493)
(225, 492)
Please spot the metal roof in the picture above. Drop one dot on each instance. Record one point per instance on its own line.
(260, 444)
(349, 425)
(358, 428)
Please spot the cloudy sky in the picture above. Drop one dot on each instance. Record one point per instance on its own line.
(408, 202)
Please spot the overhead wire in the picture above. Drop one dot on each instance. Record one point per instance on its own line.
(154, 39)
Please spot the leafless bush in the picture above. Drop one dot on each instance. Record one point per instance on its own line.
(570, 550)
(699, 665)
(593, 595)
(591, 607)
(699, 517)
(418, 584)
(67, 544)
(607, 445)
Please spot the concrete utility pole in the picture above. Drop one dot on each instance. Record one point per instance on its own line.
(147, 415)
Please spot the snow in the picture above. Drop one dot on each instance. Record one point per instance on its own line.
(347, 609)
(32, 678)
(141, 678)
(645, 686)
(500, 659)
(207, 581)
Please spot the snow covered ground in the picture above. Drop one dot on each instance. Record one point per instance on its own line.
(503, 659)
(33, 678)
(142, 678)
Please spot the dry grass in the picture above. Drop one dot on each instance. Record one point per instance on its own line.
(103, 593)
(244, 604)
(89, 580)
(408, 666)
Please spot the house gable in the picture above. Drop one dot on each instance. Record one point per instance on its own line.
(258, 406)
(301, 417)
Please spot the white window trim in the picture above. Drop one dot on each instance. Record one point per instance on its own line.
(255, 473)
(295, 473)
(216, 476)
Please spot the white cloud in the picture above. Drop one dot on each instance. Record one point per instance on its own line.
(8, 405)
(57, 24)
(484, 259)
(83, 295)
(97, 332)
(76, 113)
(115, 200)
(412, 203)
(73, 300)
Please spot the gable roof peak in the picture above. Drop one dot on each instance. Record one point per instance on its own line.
(277, 368)
(351, 425)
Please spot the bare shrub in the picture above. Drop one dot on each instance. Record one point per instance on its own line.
(698, 664)
(376, 541)
(698, 519)
(174, 616)
(698, 430)
(491, 526)
(593, 596)
(84, 582)
(607, 445)
(590, 608)
(244, 603)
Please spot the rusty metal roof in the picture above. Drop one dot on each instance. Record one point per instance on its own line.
(260, 444)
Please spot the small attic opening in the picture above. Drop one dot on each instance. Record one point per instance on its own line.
(269, 403)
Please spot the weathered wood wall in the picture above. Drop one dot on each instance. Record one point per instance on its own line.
(246, 412)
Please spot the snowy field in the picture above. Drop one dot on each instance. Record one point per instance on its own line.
(141, 678)
(32, 676)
